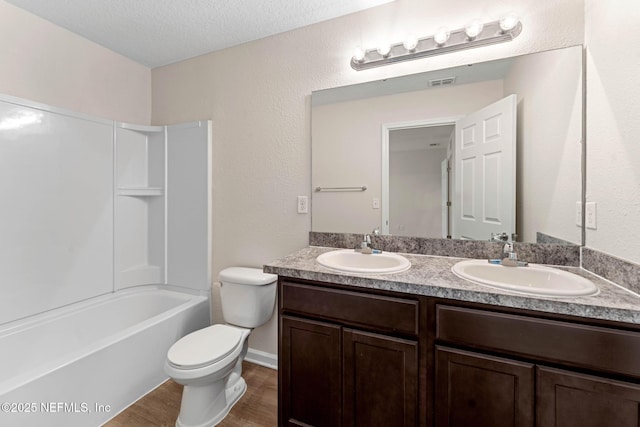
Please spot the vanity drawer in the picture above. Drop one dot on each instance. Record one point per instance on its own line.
(380, 312)
(592, 347)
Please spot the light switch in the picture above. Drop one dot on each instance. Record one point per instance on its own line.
(375, 203)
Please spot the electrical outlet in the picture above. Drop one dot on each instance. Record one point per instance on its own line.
(375, 203)
(303, 204)
(591, 215)
(579, 214)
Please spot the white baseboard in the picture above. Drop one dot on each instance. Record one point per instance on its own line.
(262, 358)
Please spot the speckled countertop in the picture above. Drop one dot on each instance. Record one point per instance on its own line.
(432, 276)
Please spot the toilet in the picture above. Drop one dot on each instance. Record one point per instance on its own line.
(208, 362)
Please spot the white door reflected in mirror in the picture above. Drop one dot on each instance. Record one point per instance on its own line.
(484, 172)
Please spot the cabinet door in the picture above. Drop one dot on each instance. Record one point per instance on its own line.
(478, 390)
(569, 399)
(310, 373)
(380, 380)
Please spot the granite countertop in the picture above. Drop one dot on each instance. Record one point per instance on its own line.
(432, 276)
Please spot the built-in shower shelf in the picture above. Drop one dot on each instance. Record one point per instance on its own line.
(141, 128)
(141, 191)
(161, 198)
(138, 274)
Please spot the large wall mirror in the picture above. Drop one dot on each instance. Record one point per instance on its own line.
(463, 152)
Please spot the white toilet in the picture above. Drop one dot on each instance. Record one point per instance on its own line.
(208, 362)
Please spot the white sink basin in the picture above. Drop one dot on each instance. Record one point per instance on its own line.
(348, 260)
(532, 280)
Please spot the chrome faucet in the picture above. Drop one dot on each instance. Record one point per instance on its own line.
(365, 246)
(499, 237)
(510, 256)
(508, 251)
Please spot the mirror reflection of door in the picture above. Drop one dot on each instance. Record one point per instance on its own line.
(485, 172)
(447, 178)
(417, 185)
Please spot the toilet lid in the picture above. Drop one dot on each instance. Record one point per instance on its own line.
(204, 347)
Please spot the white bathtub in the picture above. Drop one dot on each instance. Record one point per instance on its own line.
(82, 364)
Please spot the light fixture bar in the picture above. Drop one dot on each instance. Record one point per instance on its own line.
(491, 33)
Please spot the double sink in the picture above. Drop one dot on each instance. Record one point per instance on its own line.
(536, 280)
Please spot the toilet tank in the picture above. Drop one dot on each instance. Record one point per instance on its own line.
(248, 296)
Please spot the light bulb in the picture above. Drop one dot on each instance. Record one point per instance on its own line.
(441, 36)
(358, 54)
(473, 29)
(384, 49)
(509, 22)
(410, 43)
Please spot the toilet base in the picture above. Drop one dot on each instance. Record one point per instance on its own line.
(233, 395)
(211, 391)
(217, 409)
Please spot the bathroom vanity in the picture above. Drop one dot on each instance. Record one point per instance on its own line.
(337, 346)
(424, 347)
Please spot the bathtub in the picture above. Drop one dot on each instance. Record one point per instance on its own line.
(82, 364)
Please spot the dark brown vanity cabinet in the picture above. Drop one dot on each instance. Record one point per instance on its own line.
(310, 389)
(474, 389)
(519, 370)
(571, 399)
(349, 358)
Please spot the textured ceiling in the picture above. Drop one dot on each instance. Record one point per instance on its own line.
(160, 32)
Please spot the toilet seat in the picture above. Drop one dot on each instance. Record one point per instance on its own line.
(204, 347)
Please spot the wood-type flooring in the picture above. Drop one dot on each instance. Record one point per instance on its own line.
(257, 408)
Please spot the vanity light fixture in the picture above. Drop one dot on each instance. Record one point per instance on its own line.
(383, 50)
(410, 43)
(474, 29)
(358, 54)
(509, 22)
(441, 36)
(475, 34)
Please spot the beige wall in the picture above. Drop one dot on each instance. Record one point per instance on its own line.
(613, 126)
(46, 63)
(549, 142)
(257, 95)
